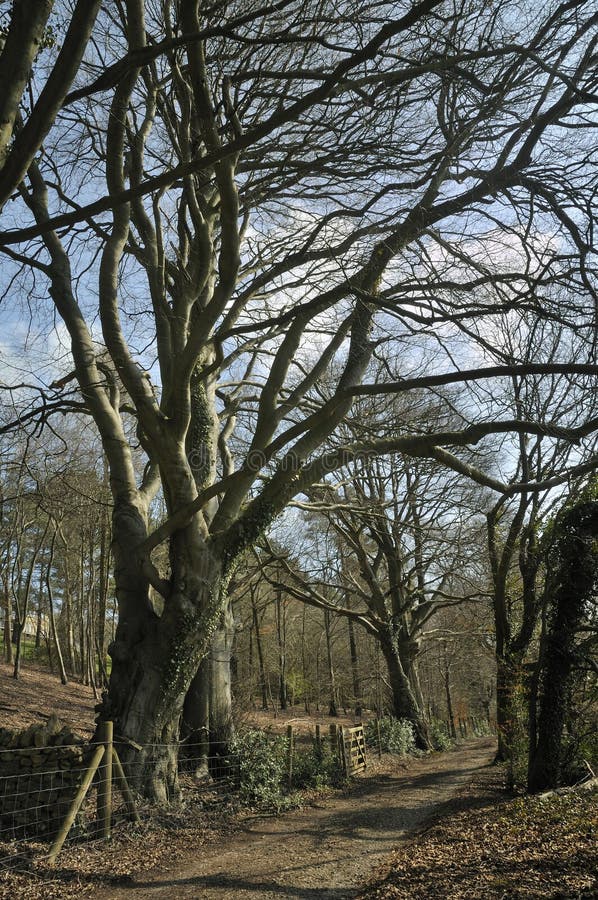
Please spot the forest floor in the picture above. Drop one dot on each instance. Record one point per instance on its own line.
(440, 826)
(37, 693)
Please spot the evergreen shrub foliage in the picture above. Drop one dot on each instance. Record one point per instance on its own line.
(317, 768)
(260, 763)
(396, 735)
(439, 736)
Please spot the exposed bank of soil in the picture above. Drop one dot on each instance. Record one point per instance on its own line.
(328, 850)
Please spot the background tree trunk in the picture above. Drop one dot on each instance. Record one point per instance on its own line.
(282, 655)
(354, 664)
(577, 579)
(260, 650)
(404, 702)
(446, 673)
(52, 617)
(332, 705)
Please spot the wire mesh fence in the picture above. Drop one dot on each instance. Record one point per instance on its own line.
(35, 804)
(256, 768)
(45, 789)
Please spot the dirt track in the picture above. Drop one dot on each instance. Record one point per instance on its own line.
(325, 851)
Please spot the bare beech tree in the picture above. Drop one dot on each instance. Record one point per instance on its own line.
(238, 206)
(399, 548)
(27, 117)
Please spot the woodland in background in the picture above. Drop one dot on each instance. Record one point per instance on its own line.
(304, 629)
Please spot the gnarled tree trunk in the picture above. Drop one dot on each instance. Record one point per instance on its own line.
(155, 656)
(207, 725)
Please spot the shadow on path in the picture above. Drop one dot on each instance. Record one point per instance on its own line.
(328, 851)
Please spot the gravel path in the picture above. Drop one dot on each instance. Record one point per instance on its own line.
(324, 851)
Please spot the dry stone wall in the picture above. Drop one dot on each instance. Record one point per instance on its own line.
(41, 769)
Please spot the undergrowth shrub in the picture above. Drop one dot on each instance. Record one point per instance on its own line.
(482, 728)
(518, 748)
(260, 763)
(317, 768)
(579, 751)
(396, 735)
(439, 736)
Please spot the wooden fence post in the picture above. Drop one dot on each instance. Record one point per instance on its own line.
(333, 738)
(119, 777)
(76, 804)
(102, 762)
(334, 741)
(343, 750)
(105, 781)
(290, 755)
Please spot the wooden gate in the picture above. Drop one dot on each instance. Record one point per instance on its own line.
(352, 741)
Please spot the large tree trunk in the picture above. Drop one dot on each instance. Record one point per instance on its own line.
(221, 715)
(508, 682)
(207, 724)
(409, 651)
(577, 578)
(155, 657)
(104, 575)
(195, 725)
(404, 702)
